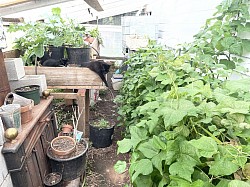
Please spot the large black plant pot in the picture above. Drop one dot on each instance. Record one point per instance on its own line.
(56, 53)
(101, 137)
(70, 168)
(78, 55)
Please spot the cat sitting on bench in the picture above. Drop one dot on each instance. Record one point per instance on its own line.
(100, 67)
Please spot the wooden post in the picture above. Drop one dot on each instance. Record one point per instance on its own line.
(4, 83)
(82, 107)
(87, 103)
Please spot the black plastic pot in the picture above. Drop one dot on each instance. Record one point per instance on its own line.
(50, 177)
(70, 168)
(56, 53)
(101, 137)
(78, 55)
(32, 93)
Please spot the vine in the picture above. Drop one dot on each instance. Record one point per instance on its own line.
(188, 124)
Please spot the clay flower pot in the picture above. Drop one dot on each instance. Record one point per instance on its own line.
(63, 146)
(67, 129)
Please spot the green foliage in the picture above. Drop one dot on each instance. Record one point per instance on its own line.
(38, 35)
(120, 166)
(188, 125)
(102, 124)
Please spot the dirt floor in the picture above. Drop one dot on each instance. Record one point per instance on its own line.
(100, 162)
(100, 170)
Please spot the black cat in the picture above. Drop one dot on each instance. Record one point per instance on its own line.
(99, 67)
(55, 63)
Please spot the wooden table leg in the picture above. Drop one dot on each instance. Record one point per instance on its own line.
(82, 111)
(87, 103)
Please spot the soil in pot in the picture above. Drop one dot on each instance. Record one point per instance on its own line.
(63, 146)
(30, 92)
(53, 179)
(73, 166)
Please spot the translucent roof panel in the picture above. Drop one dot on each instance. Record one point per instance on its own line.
(79, 10)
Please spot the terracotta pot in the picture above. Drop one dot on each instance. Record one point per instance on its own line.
(26, 112)
(59, 143)
(67, 129)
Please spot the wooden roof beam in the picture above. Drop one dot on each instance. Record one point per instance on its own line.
(11, 3)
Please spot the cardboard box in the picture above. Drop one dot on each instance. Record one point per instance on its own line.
(14, 68)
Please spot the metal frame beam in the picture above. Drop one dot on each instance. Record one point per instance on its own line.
(28, 5)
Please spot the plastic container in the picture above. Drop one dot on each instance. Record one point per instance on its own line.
(101, 137)
(70, 168)
(11, 116)
(78, 55)
(30, 92)
(56, 53)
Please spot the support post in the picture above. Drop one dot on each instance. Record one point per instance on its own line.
(82, 110)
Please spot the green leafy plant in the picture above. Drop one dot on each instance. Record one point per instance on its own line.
(96, 34)
(102, 124)
(187, 123)
(54, 31)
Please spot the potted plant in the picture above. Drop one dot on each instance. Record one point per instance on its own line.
(101, 133)
(76, 160)
(55, 28)
(95, 33)
(32, 41)
(63, 146)
(41, 37)
(77, 50)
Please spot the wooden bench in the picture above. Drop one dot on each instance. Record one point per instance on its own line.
(82, 79)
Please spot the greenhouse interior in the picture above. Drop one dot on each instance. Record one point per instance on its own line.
(123, 93)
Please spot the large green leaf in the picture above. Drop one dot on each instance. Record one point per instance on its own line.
(148, 149)
(222, 167)
(124, 146)
(172, 116)
(143, 181)
(182, 169)
(120, 166)
(158, 143)
(143, 166)
(238, 183)
(236, 49)
(238, 85)
(138, 134)
(206, 146)
(246, 45)
(229, 64)
(177, 181)
(228, 41)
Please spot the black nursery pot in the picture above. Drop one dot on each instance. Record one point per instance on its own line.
(78, 55)
(56, 53)
(70, 168)
(101, 137)
(50, 177)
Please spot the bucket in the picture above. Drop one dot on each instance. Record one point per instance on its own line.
(56, 53)
(30, 92)
(101, 138)
(70, 168)
(12, 98)
(78, 55)
(11, 116)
